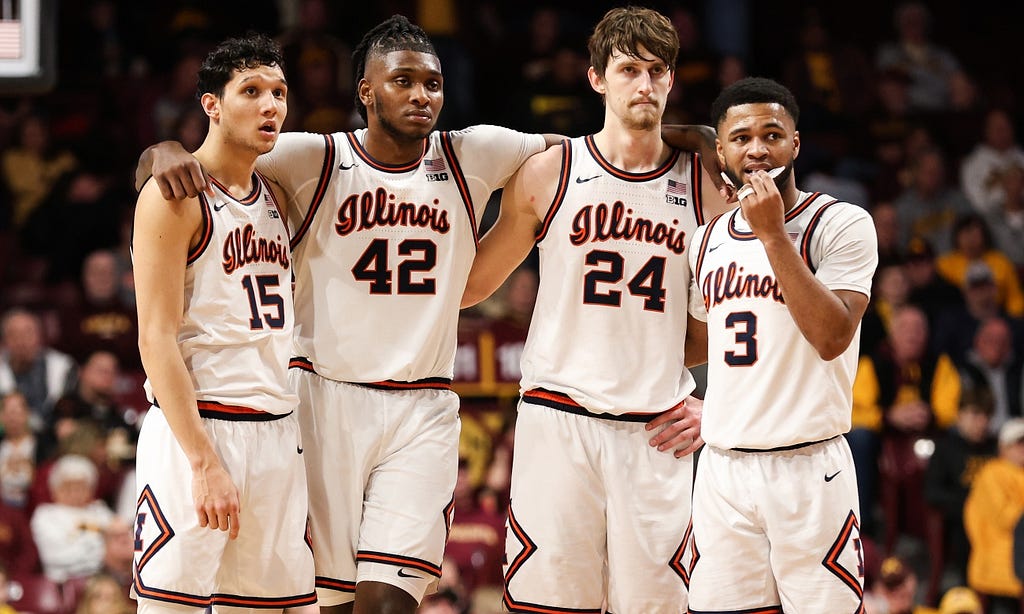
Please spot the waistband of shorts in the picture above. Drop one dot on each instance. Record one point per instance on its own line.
(236, 413)
(429, 383)
(795, 446)
(563, 402)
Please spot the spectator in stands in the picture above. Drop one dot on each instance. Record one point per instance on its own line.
(17, 549)
(929, 207)
(894, 591)
(887, 229)
(992, 365)
(960, 600)
(892, 291)
(972, 245)
(104, 595)
(19, 450)
(929, 65)
(69, 531)
(994, 505)
(902, 393)
(982, 170)
(92, 400)
(119, 551)
(33, 167)
(1007, 221)
(956, 326)
(959, 454)
(40, 373)
(929, 290)
(99, 319)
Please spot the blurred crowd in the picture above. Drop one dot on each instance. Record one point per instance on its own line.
(903, 112)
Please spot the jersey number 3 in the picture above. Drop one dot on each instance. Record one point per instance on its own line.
(745, 325)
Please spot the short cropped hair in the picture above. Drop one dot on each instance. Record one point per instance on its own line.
(234, 54)
(754, 90)
(396, 33)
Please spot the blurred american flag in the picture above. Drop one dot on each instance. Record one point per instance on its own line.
(433, 166)
(10, 40)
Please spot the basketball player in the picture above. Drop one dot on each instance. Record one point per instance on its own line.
(220, 478)
(785, 279)
(384, 232)
(599, 513)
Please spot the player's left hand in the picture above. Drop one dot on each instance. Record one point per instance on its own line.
(679, 428)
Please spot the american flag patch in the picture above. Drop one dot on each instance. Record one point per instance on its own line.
(793, 236)
(676, 187)
(433, 166)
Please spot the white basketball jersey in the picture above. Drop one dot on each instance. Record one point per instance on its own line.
(610, 319)
(382, 253)
(767, 386)
(236, 329)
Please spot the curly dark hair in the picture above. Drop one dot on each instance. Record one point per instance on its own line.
(753, 90)
(396, 33)
(235, 54)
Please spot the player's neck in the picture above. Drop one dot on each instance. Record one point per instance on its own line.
(391, 149)
(232, 167)
(791, 196)
(633, 151)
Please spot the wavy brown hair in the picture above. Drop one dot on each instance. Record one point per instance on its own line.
(626, 29)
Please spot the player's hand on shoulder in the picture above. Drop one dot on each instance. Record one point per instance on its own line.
(178, 173)
(678, 430)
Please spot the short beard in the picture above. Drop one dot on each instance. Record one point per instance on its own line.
(394, 132)
(779, 181)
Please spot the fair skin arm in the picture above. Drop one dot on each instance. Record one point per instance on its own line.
(165, 230)
(828, 319)
(524, 202)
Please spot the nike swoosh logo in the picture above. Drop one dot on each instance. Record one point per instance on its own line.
(342, 167)
(711, 249)
(829, 478)
(586, 179)
(403, 574)
(219, 207)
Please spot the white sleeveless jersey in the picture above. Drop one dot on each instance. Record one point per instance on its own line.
(236, 329)
(767, 386)
(382, 253)
(610, 318)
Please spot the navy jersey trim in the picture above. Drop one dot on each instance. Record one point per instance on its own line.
(330, 156)
(560, 190)
(448, 149)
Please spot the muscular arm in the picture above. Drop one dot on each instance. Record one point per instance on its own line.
(827, 318)
(164, 231)
(696, 344)
(524, 202)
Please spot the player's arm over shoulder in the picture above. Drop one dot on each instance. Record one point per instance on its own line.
(525, 202)
(497, 151)
(296, 165)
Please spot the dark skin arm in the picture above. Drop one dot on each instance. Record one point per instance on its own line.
(698, 139)
(177, 173)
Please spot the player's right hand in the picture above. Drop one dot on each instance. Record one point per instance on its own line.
(216, 500)
(177, 172)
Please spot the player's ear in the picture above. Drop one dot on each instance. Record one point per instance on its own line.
(596, 81)
(211, 105)
(796, 144)
(365, 92)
